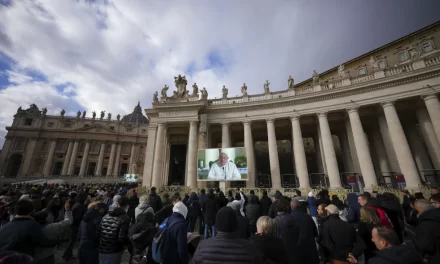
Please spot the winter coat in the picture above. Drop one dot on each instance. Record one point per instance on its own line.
(163, 213)
(23, 234)
(133, 202)
(202, 198)
(265, 203)
(312, 207)
(272, 213)
(155, 201)
(141, 236)
(339, 237)
(307, 232)
(226, 248)
(427, 238)
(89, 226)
(210, 209)
(253, 212)
(287, 231)
(271, 247)
(364, 231)
(243, 230)
(194, 209)
(176, 241)
(384, 220)
(353, 212)
(402, 254)
(78, 211)
(112, 232)
(142, 209)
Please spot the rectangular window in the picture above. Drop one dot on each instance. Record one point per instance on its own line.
(67, 125)
(402, 56)
(86, 125)
(144, 131)
(95, 147)
(112, 128)
(128, 129)
(126, 148)
(28, 122)
(62, 146)
(362, 71)
(427, 46)
(50, 124)
(108, 148)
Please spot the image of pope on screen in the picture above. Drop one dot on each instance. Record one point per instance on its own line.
(226, 164)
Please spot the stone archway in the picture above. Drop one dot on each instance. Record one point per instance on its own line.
(14, 165)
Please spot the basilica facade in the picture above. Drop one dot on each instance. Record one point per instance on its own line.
(373, 120)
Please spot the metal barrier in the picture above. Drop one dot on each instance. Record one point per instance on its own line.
(263, 181)
(318, 180)
(289, 181)
(432, 178)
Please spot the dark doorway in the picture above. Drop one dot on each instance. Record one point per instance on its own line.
(57, 167)
(76, 171)
(176, 173)
(124, 169)
(14, 165)
(91, 169)
(104, 171)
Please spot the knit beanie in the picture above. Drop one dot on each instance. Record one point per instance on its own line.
(180, 208)
(226, 220)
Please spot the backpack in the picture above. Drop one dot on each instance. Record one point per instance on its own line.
(160, 243)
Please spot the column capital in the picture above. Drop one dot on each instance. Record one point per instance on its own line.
(322, 114)
(247, 122)
(387, 104)
(270, 120)
(193, 123)
(353, 109)
(295, 116)
(429, 96)
(161, 124)
(225, 123)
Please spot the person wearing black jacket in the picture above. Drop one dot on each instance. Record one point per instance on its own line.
(154, 200)
(253, 212)
(167, 210)
(141, 235)
(226, 247)
(210, 208)
(273, 207)
(271, 247)
(194, 211)
(23, 234)
(427, 238)
(78, 211)
(265, 202)
(88, 244)
(113, 233)
(287, 230)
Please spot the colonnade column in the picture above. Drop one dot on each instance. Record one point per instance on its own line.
(329, 151)
(48, 164)
(362, 150)
(117, 158)
(192, 154)
(401, 147)
(380, 151)
(73, 158)
(159, 155)
(299, 154)
(132, 154)
(82, 170)
(388, 144)
(67, 158)
(30, 149)
(149, 155)
(273, 154)
(111, 160)
(100, 159)
(433, 106)
(226, 141)
(249, 145)
(432, 143)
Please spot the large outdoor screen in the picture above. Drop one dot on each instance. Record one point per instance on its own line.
(222, 164)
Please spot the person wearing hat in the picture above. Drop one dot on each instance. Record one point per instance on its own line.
(340, 238)
(176, 246)
(226, 247)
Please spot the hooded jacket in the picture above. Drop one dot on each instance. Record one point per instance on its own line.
(401, 254)
(177, 247)
(428, 235)
(353, 212)
(112, 232)
(142, 209)
(89, 225)
(155, 201)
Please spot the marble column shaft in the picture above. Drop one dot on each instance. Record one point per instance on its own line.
(401, 147)
(388, 144)
(428, 132)
(49, 160)
(329, 151)
(132, 158)
(380, 151)
(117, 158)
(73, 158)
(249, 145)
(433, 107)
(84, 161)
(418, 149)
(192, 154)
(111, 160)
(98, 171)
(362, 149)
(67, 158)
(149, 155)
(159, 155)
(273, 154)
(226, 141)
(30, 149)
(299, 154)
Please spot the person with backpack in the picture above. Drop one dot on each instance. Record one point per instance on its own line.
(141, 236)
(194, 211)
(170, 242)
(143, 207)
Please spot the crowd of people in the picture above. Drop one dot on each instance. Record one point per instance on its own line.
(104, 220)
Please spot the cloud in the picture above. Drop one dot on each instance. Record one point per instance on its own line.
(107, 55)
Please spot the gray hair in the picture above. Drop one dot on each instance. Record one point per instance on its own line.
(143, 199)
(424, 204)
(266, 224)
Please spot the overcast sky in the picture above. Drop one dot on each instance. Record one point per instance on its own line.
(108, 55)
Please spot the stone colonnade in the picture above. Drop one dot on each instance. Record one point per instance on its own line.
(388, 141)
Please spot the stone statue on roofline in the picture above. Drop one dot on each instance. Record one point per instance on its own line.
(341, 71)
(164, 91)
(413, 53)
(118, 117)
(93, 114)
(244, 89)
(374, 64)
(180, 83)
(290, 82)
(195, 90)
(204, 94)
(315, 78)
(224, 92)
(155, 97)
(44, 111)
(84, 114)
(78, 114)
(266, 87)
(19, 110)
(109, 116)
(62, 113)
(102, 115)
